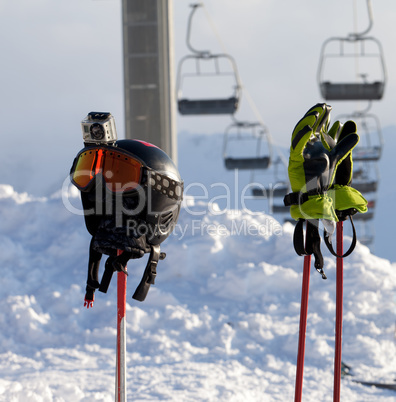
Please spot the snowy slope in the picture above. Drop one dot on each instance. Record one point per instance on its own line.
(221, 323)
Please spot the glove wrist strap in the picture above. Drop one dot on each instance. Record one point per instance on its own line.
(352, 246)
(298, 198)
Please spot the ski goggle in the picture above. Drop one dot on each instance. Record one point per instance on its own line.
(120, 171)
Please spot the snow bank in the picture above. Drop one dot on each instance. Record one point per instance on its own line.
(221, 323)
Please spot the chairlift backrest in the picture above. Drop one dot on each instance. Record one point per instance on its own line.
(272, 183)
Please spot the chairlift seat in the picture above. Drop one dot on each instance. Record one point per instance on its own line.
(278, 191)
(365, 187)
(259, 192)
(280, 209)
(208, 106)
(366, 240)
(352, 91)
(368, 216)
(247, 163)
(367, 154)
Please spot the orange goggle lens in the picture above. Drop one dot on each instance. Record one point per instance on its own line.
(119, 171)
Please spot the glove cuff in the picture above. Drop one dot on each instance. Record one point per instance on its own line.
(346, 197)
(318, 206)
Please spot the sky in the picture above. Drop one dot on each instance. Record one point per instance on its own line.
(63, 58)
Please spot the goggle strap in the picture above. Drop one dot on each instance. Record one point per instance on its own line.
(163, 184)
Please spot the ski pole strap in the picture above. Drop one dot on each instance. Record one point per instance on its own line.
(298, 198)
(298, 238)
(107, 275)
(352, 246)
(149, 274)
(93, 271)
(295, 199)
(311, 245)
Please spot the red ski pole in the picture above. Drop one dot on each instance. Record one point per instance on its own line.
(303, 328)
(120, 394)
(339, 302)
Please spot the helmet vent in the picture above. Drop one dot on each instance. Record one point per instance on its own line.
(166, 219)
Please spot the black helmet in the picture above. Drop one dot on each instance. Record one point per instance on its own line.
(162, 189)
(142, 175)
(131, 193)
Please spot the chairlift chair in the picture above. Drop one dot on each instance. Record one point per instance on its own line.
(280, 209)
(369, 148)
(211, 104)
(366, 186)
(200, 67)
(369, 215)
(365, 177)
(245, 134)
(353, 46)
(280, 189)
(365, 229)
(278, 184)
(366, 240)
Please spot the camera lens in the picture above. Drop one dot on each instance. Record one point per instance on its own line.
(97, 131)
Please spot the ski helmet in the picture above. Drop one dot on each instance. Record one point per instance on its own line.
(134, 181)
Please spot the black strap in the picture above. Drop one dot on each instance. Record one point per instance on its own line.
(163, 184)
(298, 238)
(298, 198)
(149, 274)
(93, 272)
(295, 199)
(311, 244)
(141, 291)
(107, 275)
(352, 246)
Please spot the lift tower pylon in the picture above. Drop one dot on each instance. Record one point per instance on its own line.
(148, 73)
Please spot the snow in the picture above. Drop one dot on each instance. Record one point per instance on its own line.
(221, 322)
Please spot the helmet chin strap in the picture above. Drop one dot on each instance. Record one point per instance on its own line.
(311, 244)
(149, 274)
(113, 264)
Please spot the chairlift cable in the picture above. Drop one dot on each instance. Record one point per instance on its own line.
(214, 28)
(355, 21)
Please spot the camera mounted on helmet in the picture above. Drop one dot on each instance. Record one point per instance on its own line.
(99, 128)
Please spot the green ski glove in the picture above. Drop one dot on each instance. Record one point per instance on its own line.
(347, 200)
(313, 164)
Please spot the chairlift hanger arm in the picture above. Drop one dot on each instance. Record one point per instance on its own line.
(370, 15)
(204, 53)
